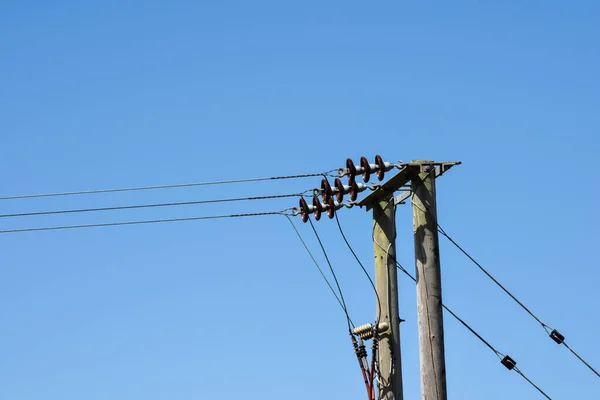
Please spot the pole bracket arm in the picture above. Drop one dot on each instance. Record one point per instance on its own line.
(407, 172)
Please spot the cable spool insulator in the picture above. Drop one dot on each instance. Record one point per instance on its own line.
(318, 207)
(305, 210)
(341, 189)
(382, 167)
(367, 168)
(351, 168)
(361, 352)
(364, 332)
(326, 190)
(355, 189)
(332, 207)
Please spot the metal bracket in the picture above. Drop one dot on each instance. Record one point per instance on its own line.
(386, 190)
(402, 197)
(406, 174)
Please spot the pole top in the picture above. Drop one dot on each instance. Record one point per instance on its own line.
(406, 174)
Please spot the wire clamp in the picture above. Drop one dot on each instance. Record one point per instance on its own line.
(508, 362)
(557, 336)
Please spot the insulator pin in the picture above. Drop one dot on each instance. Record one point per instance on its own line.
(362, 351)
(341, 189)
(367, 331)
(318, 207)
(367, 168)
(326, 190)
(355, 189)
(305, 210)
(332, 207)
(382, 167)
(352, 169)
(364, 331)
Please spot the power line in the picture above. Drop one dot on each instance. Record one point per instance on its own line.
(368, 381)
(333, 274)
(153, 221)
(503, 357)
(130, 207)
(361, 266)
(318, 266)
(178, 185)
(490, 276)
(553, 333)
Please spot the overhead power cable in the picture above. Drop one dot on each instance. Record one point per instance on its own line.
(361, 266)
(370, 380)
(506, 360)
(337, 283)
(553, 333)
(318, 266)
(178, 185)
(153, 221)
(137, 206)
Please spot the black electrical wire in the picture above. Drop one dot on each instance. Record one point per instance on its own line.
(130, 207)
(154, 221)
(318, 267)
(337, 283)
(368, 381)
(179, 185)
(490, 276)
(499, 354)
(361, 266)
(551, 331)
(401, 268)
(580, 358)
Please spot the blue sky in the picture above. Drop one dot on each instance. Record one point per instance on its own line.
(112, 94)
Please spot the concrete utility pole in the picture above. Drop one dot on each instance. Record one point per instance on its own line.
(429, 285)
(386, 282)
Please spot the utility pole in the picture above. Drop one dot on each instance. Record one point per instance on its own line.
(421, 175)
(386, 282)
(383, 203)
(429, 284)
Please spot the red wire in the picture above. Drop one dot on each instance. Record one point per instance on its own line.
(371, 380)
(367, 385)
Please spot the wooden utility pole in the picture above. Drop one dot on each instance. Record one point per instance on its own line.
(422, 175)
(386, 282)
(383, 204)
(429, 285)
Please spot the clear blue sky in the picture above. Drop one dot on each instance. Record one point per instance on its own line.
(111, 94)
